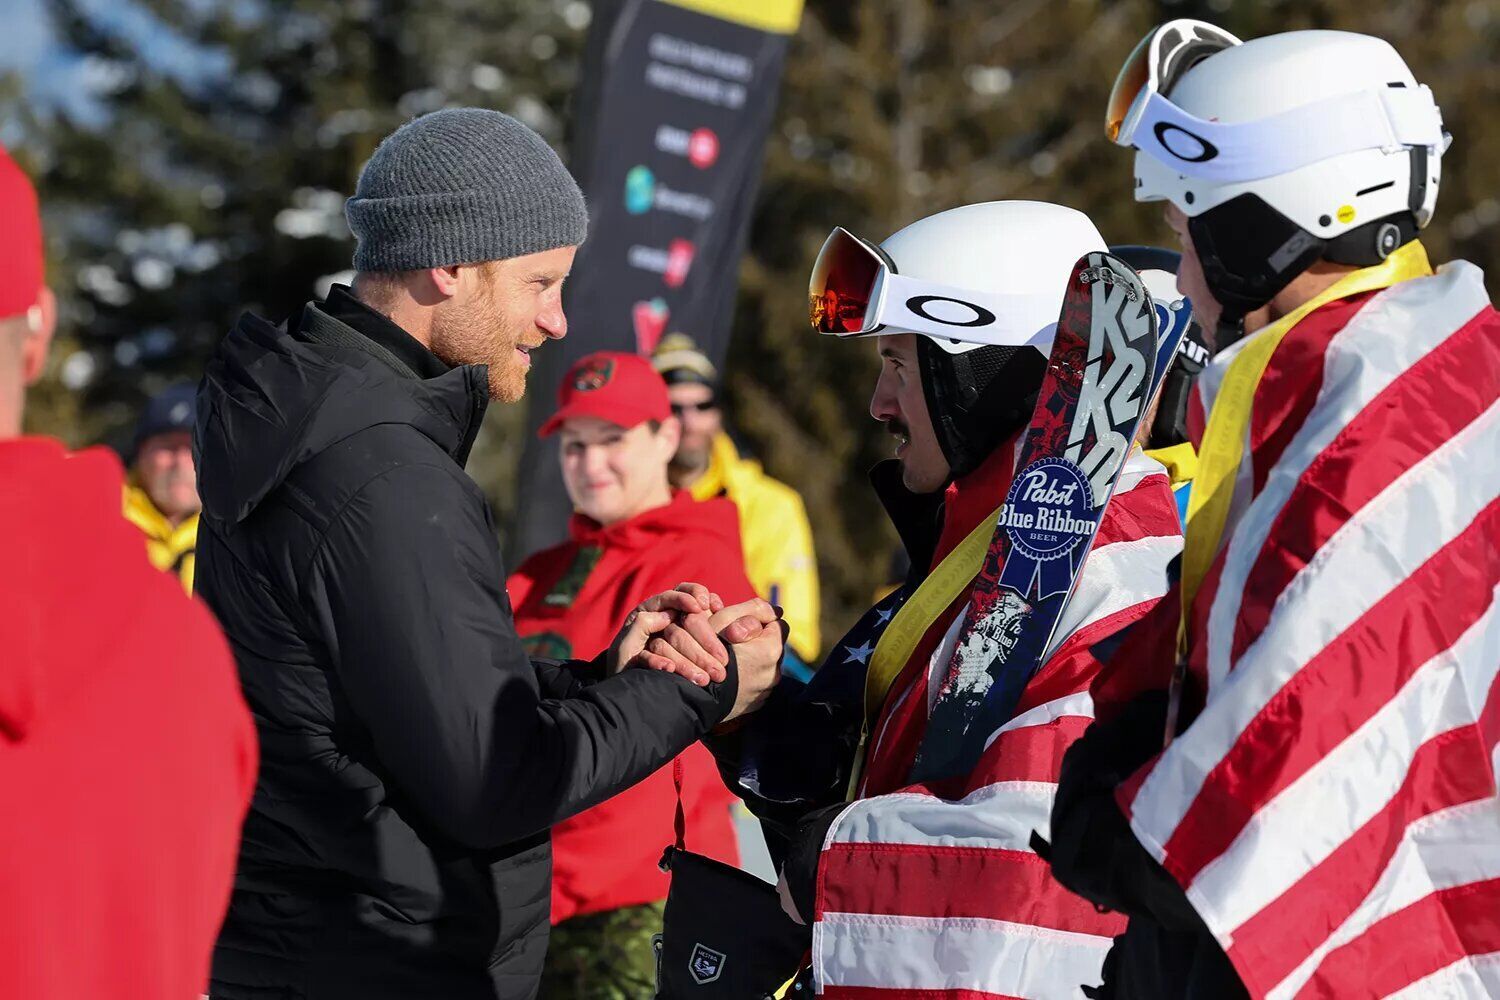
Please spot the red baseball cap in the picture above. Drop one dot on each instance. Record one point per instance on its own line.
(616, 386)
(21, 236)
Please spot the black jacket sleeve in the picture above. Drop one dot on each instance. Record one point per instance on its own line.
(791, 758)
(567, 678)
(1093, 851)
(804, 850)
(407, 591)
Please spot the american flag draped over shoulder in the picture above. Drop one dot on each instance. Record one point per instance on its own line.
(1332, 812)
(929, 891)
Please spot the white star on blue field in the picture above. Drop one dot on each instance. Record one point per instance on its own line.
(859, 654)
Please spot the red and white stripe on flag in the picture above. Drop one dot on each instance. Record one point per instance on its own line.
(1332, 814)
(934, 891)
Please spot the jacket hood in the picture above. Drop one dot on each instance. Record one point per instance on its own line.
(60, 511)
(272, 399)
(716, 518)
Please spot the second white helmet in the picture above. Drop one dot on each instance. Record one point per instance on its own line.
(981, 286)
(1281, 150)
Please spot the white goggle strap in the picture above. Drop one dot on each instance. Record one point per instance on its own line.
(1389, 119)
(962, 315)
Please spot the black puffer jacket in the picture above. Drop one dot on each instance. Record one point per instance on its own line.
(412, 758)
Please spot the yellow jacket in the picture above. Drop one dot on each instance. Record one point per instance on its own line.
(776, 536)
(169, 549)
(1181, 461)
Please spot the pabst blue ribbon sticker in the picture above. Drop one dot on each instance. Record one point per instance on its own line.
(1048, 514)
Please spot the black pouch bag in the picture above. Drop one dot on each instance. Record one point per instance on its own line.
(724, 934)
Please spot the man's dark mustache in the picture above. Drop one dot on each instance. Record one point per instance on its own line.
(898, 428)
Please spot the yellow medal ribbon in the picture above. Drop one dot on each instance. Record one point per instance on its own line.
(1224, 438)
(900, 638)
(1181, 461)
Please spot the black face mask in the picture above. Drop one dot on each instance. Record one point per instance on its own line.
(977, 399)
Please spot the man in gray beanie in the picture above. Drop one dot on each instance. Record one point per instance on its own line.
(467, 225)
(412, 757)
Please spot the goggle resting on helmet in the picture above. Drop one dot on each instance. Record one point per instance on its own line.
(1141, 114)
(855, 291)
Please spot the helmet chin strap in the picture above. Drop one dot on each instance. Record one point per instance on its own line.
(1228, 331)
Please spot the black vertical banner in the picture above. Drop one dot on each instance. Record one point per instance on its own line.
(675, 102)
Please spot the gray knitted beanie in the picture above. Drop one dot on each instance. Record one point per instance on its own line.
(462, 186)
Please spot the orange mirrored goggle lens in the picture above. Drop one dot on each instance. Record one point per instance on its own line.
(838, 293)
(1131, 80)
(1158, 61)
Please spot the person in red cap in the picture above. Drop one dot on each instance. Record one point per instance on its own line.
(631, 536)
(127, 756)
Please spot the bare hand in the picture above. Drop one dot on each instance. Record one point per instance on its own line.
(685, 609)
(743, 622)
(758, 660)
(682, 647)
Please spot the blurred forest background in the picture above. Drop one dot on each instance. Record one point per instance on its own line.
(196, 162)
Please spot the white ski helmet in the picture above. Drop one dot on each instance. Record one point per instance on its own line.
(1013, 255)
(1281, 151)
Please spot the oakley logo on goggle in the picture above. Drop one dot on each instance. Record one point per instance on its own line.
(1183, 144)
(918, 305)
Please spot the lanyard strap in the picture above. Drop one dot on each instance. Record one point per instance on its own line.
(943, 584)
(679, 819)
(1228, 423)
(911, 622)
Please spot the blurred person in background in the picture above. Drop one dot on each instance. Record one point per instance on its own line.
(773, 521)
(632, 535)
(415, 758)
(161, 497)
(127, 756)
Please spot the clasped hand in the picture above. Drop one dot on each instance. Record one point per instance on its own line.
(687, 631)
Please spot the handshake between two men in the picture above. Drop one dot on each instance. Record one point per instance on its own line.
(689, 631)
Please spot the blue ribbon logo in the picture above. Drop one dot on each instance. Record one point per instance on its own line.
(1049, 512)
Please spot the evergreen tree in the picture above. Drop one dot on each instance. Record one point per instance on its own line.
(206, 175)
(209, 172)
(892, 111)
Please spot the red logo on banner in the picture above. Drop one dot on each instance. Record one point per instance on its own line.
(650, 323)
(703, 148)
(679, 261)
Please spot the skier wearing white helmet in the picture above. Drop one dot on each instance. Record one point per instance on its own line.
(1324, 818)
(934, 888)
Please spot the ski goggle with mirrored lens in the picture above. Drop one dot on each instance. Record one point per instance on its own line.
(855, 291)
(1154, 66)
(1141, 114)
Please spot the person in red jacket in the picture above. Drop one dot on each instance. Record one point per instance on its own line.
(127, 756)
(631, 535)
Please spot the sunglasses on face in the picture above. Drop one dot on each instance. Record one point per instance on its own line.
(704, 407)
